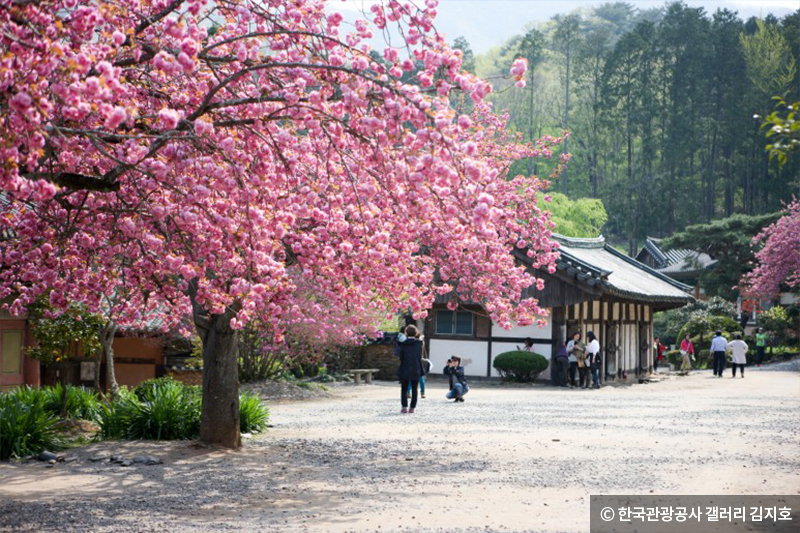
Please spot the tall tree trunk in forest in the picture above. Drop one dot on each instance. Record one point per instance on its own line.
(728, 155)
(566, 36)
(566, 121)
(107, 340)
(531, 137)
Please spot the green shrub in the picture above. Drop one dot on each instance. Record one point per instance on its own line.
(253, 415)
(26, 426)
(776, 324)
(82, 403)
(667, 324)
(159, 409)
(114, 417)
(675, 358)
(701, 329)
(703, 359)
(165, 409)
(147, 388)
(520, 366)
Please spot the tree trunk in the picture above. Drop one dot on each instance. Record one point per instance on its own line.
(566, 120)
(219, 423)
(107, 340)
(530, 123)
(63, 380)
(98, 361)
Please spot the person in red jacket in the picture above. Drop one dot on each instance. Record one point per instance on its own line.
(658, 352)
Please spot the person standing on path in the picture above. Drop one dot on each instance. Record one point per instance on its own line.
(562, 364)
(687, 349)
(658, 353)
(410, 370)
(426, 368)
(572, 347)
(458, 382)
(719, 345)
(593, 358)
(738, 349)
(761, 345)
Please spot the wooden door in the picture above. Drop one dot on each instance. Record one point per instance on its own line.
(12, 339)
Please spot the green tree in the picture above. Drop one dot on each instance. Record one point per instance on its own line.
(468, 57)
(775, 321)
(584, 217)
(729, 242)
(591, 55)
(531, 47)
(565, 40)
(771, 66)
(70, 336)
(458, 99)
(783, 130)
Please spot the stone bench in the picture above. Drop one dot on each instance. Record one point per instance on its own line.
(356, 373)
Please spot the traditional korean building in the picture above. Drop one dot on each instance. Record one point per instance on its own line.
(595, 288)
(679, 264)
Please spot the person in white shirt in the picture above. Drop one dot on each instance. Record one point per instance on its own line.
(593, 358)
(719, 345)
(738, 348)
(573, 359)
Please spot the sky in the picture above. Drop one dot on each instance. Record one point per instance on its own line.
(488, 23)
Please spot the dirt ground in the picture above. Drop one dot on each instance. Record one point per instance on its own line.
(507, 459)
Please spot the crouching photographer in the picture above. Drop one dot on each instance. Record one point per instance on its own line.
(458, 383)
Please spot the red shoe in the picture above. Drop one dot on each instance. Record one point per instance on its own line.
(410, 410)
(403, 410)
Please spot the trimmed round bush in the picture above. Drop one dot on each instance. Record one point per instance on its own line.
(520, 366)
(26, 426)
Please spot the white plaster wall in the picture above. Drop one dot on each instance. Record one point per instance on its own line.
(532, 331)
(472, 354)
(630, 347)
(501, 347)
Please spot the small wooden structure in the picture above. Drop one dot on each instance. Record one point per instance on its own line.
(595, 288)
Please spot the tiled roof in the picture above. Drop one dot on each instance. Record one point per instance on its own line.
(599, 264)
(5, 206)
(678, 260)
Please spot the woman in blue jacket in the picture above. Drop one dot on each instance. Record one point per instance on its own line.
(409, 350)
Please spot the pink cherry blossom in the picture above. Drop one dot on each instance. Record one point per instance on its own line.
(168, 118)
(519, 67)
(271, 172)
(778, 260)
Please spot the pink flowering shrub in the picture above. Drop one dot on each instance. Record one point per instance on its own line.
(778, 261)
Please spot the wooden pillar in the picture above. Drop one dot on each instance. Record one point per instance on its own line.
(489, 350)
(604, 369)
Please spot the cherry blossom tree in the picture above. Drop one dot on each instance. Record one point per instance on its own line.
(217, 159)
(778, 261)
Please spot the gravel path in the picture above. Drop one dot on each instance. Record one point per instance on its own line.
(517, 459)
